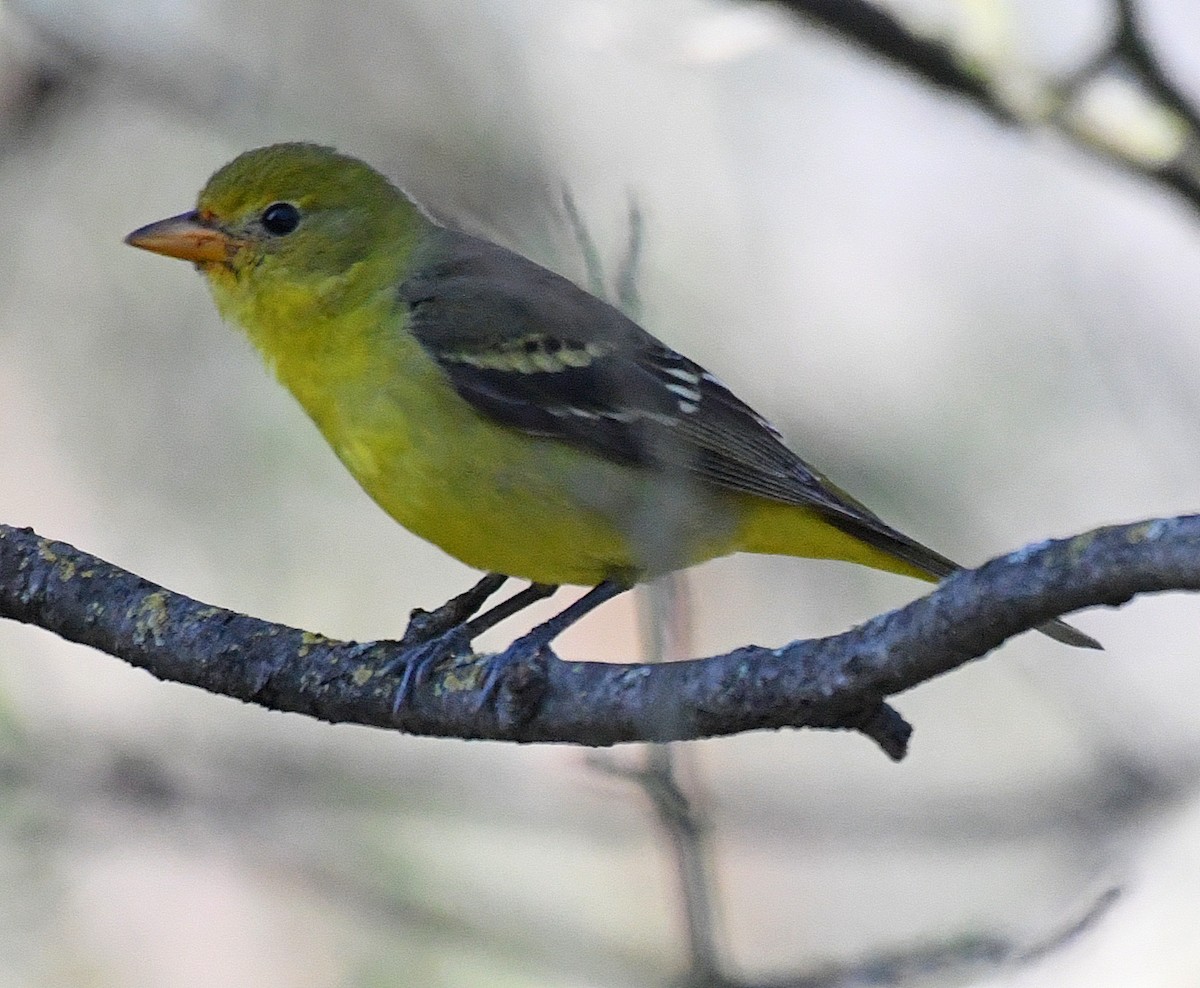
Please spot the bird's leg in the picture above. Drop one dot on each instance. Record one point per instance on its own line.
(530, 645)
(506, 608)
(425, 625)
(547, 631)
(422, 652)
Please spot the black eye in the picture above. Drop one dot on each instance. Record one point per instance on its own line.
(280, 218)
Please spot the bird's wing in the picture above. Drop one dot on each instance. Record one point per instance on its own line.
(533, 351)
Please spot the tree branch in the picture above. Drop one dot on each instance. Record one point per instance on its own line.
(879, 32)
(883, 33)
(839, 682)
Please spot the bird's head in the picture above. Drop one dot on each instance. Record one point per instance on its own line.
(286, 215)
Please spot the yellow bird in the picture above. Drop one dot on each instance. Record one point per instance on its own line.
(495, 408)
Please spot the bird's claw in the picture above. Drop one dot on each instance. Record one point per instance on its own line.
(519, 653)
(420, 660)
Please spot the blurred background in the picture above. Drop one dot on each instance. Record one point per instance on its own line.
(984, 328)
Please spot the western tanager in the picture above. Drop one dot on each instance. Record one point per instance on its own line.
(494, 407)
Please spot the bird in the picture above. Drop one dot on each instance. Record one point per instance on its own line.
(498, 410)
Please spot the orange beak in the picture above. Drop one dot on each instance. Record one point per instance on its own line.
(188, 236)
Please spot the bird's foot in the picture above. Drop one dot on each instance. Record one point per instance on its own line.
(519, 653)
(419, 661)
(520, 668)
(529, 651)
(511, 679)
(449, 631)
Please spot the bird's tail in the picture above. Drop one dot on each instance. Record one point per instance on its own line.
(933, 566)
(857, 535)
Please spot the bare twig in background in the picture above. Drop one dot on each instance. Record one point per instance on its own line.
(667, 622)
(1168, 154)
(687, 830)
(883, 34)
(959, 957)
(1131, 44)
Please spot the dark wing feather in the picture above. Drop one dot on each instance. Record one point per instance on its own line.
(530, 349)
(535, 352)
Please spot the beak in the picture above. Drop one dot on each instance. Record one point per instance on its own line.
(188, 236)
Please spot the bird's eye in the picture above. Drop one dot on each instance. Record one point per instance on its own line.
(280, 218)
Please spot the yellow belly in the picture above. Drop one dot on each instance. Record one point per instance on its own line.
(531, 507)
(539, 509)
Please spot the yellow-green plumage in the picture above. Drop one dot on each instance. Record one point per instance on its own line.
(492, 407)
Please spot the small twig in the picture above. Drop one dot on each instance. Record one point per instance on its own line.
(628, 298)
(1135, 49)
(592, 265)
(667, 624)
(874, 30)
(884, 35)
